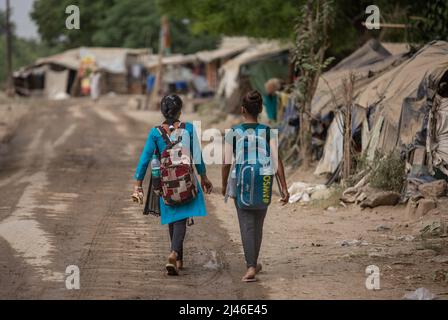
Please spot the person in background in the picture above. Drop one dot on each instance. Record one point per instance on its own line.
(175, 216)
(270, 99)
(95, 84)
(150, 82)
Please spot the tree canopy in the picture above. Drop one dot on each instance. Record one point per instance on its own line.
(276, 19)
(114, 23)
(24, 51)
(260, 19)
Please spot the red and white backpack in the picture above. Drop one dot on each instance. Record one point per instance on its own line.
(178, 181)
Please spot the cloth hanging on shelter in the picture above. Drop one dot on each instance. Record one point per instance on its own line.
(334, 145)
(333, 150)
(56, 83)
(438, 134)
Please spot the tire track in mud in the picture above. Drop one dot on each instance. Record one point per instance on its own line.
(23, 228)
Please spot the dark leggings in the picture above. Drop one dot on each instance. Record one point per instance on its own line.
(177, 231)
(251, 227)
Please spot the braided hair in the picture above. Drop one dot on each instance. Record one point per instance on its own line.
(253, 103)
(170, 106)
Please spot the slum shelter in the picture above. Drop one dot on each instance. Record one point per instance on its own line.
(176, 70)
(196, 73)
(404, 108)
(60, 75)
(367, 63)
(213, 60)
(251, 70)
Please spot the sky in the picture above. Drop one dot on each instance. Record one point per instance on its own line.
(21, 9)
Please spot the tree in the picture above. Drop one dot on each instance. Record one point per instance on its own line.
(260, 19)
(312, 41)
(50, 17)
(114, 23)
(433, 25)
(25, 51)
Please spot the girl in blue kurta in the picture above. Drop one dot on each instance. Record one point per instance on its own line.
(175, 216)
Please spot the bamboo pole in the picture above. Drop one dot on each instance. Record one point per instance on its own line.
(10, 80)
(348, 85)
(159, 70)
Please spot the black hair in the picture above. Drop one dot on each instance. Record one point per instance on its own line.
(253, 103)
(170, 106)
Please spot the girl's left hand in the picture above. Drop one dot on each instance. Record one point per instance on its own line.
(206, 184)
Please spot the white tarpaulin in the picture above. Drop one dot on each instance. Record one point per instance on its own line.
(56, 83)
(333, 150)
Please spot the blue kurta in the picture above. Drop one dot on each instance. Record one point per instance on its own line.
(195, 208)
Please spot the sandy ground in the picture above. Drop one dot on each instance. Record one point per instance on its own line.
(65, 180)
(11, 111)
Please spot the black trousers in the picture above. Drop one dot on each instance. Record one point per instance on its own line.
(251, 227)
(177, 231)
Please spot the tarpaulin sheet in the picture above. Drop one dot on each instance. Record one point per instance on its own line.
(55, 83)
(439, 135)
(333, 149)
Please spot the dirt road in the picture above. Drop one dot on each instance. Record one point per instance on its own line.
(65, 180)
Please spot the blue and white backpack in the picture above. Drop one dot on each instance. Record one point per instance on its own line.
(253, 169)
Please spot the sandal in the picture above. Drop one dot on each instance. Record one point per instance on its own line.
(249, 279)
(171, 266)
(171, 269)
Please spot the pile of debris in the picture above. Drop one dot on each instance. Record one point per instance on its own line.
(421, 195)
(304, 192)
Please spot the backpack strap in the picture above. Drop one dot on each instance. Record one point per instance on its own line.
(234, 128)
(256, 129)
(164, 135)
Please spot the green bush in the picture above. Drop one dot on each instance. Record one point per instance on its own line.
(389, 173)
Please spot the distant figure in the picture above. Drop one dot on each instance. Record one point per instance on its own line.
(270, 98)
(150, 83)
(95, 87)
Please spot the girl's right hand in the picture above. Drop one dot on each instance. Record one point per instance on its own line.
(285, 196)
(137, 195)
(206, 184)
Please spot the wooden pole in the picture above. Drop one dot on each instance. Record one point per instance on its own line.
(389, 25)
(10, 80)
(159, 70)
(348, 85)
